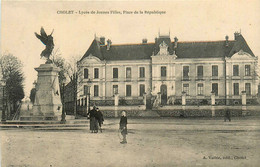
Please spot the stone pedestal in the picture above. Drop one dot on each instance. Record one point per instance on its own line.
(244, 110)
(159, 97)
(116, 104)
(213, 98)
(47, 105)
(87, 103)
(183, 99)
(213, 111)
(244, 98)
(116, 99)
(116, 111)
(144, 99)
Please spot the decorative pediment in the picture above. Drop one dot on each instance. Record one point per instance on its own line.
(241, 55)
(91, 60)
(163, 49)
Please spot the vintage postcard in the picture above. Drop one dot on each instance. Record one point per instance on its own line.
(129, 83)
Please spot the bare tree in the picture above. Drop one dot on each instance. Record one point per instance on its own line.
(11, 68)
(68, 70)
(73, 75)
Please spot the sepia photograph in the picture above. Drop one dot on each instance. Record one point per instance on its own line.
(129, 83)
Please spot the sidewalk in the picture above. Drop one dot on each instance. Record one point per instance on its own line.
(84, 122)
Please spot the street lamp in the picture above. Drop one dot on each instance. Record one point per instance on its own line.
(63, 120)
(3, 108)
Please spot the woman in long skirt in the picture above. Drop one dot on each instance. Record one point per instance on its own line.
(92, 121)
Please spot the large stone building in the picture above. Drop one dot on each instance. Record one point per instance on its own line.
(167, 70)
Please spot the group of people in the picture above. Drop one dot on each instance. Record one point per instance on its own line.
(96, 120)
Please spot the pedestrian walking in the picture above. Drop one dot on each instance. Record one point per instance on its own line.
(123, 127)
(93, 122)
(227, 115)
(100, 119)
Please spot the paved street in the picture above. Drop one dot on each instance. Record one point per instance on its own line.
(151, 142)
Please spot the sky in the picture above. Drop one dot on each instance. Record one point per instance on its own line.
(190, 20)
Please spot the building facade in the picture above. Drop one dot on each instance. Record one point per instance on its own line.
(166, 70)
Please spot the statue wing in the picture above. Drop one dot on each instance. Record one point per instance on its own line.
(43, 33)
(44, 40)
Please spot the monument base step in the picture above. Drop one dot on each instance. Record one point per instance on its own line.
(38, 118)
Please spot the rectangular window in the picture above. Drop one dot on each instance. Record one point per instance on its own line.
(95, 90)
(128, 90)
(247, 70)
(214, 70)
(115, 72)
(86, 90)
(248, 88)
(200, 72)
(186, 71)
(186, 88)
(235, 70)
(200, 89)
(142, 89)
(128, 72)
(141, 72)
(215, 88)
(163, 71)
(236, 88)
(115, 89)
(85, 73)
(96, 73)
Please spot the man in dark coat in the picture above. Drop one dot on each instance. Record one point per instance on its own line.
(123, 127)
(99, 117)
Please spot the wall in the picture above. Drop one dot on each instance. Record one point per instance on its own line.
(206, 111)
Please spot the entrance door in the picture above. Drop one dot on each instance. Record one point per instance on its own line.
(163, 94)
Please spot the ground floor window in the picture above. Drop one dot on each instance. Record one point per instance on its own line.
(215, 88)
(141, 90)
(236, 88)
(128, 90)
(248, 88)
(86, 90)
(200, 89)
(95, 90)
(115, 89)
(186, 88)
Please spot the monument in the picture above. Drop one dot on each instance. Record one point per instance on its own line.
(47, 104)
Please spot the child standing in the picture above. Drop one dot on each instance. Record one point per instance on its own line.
(123, 127)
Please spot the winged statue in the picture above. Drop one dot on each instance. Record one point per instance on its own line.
(47, 40)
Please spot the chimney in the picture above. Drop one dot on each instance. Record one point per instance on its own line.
(102, 41)
(236, 34)
(144, 40)
(226, 40)
(109, 42)
(175, 42)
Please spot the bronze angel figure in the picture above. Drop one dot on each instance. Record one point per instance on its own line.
(47, 40)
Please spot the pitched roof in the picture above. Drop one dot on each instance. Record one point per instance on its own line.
(128, 52)
(211, 49)
(197, 49)
(240, 44)
(94, 49)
